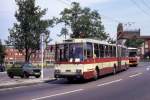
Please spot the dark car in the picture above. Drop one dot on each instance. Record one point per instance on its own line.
(24, 70)
(2, 68)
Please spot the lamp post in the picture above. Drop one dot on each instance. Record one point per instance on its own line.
(14, 58)
(42, 54)
(42, 60)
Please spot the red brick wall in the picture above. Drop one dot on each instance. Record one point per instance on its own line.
(13, 55)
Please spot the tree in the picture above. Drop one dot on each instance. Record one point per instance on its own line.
(25, 34)
(64, 31)
(2, 53)
(111, 40)
(83, 22)
(134, 43)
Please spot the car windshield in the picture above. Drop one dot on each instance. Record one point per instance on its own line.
(28, 65)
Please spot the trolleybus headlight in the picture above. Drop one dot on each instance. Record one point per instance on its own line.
(78, 71)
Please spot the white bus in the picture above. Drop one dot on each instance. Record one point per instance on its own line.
(88, 58)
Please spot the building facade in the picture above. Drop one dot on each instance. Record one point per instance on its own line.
(13, 55)
(145, 48)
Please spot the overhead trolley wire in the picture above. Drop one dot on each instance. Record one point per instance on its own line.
(105, 17)
(139, 7)
(144, 2)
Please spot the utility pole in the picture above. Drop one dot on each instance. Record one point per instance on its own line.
(42, 51)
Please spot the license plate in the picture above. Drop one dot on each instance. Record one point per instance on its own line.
(68, 70)
(37, 73)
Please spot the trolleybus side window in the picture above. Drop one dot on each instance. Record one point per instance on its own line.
(96, 50)
(114, 51)
(62, 53)
(123, 52)
(89, 50)
(101, 50)
(111, 51)
(76, 51)
(66, 52)
(106, 51)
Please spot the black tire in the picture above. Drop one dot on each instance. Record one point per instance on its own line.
(11, 75)
(135, 65)
(96, 76)
(70, 79)
(114, 70)
(126, 67)
(26, 75)
(37, 76)
(22, 76)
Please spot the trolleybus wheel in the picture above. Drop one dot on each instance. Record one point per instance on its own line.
(114, 70)
(96, 74)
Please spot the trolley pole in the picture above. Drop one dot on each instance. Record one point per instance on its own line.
(42, 50)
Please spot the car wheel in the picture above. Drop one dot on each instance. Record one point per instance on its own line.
(26, 75)
(22, 76)
(70, 79)
(11, 75)
(37, 76)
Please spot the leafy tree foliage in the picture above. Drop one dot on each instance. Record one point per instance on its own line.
(64, 31)
(134, 43)
(83, 22)
(25, 34)
(2, 53)
(111, 40)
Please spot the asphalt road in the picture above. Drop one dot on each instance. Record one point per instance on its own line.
(133, 84)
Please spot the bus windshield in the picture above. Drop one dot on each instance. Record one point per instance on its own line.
(132, 54)
(69, 52)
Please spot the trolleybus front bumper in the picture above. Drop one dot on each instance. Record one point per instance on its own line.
(68, 75)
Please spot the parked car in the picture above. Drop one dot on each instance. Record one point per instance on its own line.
(24, 70)
(2, 68)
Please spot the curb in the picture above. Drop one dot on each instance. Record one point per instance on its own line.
(25, 83)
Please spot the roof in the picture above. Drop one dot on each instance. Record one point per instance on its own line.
(144, 37)
(82, 40)
(131, 48)
(85, 40)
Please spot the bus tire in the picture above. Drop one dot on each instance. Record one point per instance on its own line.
(126, 67)
(114, 70)
(135, 65)
(96, 73)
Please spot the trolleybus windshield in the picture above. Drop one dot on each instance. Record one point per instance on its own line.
(69, 52)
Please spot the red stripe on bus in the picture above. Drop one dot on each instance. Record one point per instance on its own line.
(92, 60)
(88, 74)
(91, 74)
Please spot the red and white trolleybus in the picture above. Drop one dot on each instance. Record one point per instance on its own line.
(133, 56)
(88, 58)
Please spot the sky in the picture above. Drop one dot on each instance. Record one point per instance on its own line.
(133, 14)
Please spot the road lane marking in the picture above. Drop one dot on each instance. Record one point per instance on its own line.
(147, 69)
(13, 88)
(59, 94)
(135, 75)
(110, 82)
